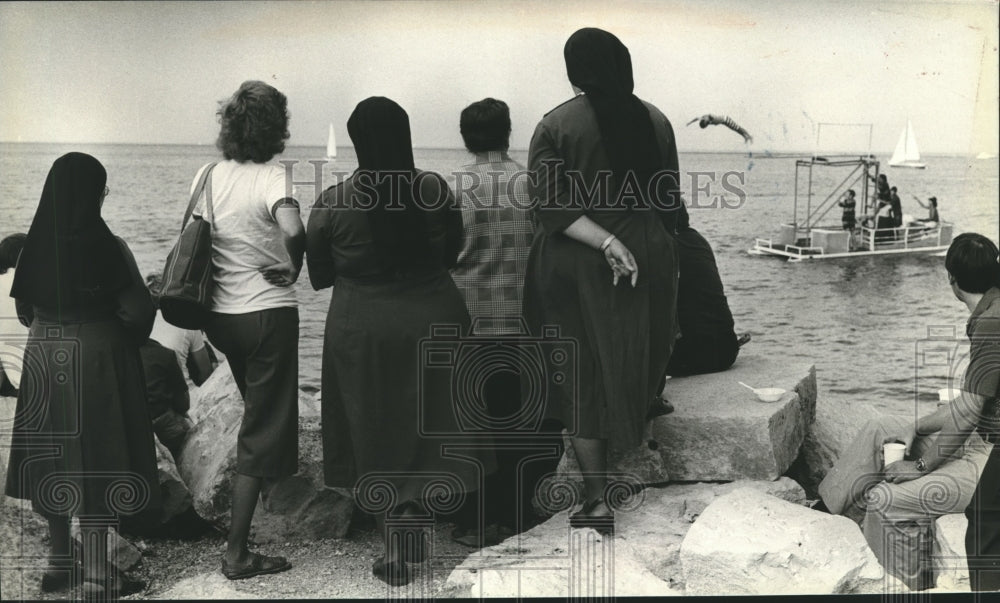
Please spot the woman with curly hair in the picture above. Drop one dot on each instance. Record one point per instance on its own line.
(257, 244)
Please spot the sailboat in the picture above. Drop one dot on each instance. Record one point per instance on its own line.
(907, 154)
(331, 145)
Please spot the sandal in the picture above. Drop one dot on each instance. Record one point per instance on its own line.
(742, 339)
(258, 565)
(604, 524)
(394, 573)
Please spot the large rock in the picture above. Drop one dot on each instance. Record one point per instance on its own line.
(750, 543)
(174, 493)
(721, 432)
(950, 563)
(219, 388)
(297, 507)
(833, 430)
(551, 560)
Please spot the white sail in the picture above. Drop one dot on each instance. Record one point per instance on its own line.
(906, 153)
(331, 144)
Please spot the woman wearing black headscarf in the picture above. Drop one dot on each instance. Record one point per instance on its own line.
(603, 266)
(82, 442)
(385, 239)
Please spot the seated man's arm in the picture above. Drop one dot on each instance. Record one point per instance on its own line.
(957, 420)
(933, 422)
(964, 413)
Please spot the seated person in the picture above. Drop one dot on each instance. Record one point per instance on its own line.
(947, 453)
(167, 395)
(192, 351)
(882, 221)
(169, 402)
(13, 335)
(708, 342)
(931, 207)
(897, 521)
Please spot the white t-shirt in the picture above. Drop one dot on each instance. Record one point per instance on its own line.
(245, 236)
(182, 342)
(13, 335)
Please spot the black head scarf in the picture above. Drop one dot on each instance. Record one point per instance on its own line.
(70, 258)
(380, 131)
(600, 65)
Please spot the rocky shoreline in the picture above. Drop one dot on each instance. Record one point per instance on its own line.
(722, 505)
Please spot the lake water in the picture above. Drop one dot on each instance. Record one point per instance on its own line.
(862, 321)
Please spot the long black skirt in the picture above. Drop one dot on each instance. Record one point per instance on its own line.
(82, 441)
(623, 335)
(390, 422)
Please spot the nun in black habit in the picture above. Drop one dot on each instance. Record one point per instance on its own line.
(82, 441)
(603, 267)
(385, 239)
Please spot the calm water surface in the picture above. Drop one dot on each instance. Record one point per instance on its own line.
(862, 321)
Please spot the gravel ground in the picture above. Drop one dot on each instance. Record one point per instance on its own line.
(332, 568)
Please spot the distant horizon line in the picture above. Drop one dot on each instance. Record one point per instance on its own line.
(762, 154)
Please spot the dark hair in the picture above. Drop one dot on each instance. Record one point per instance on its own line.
(893, 189)
(972, 260)
(10, 248)
(851, 192)
(485, 126)
(254, 123)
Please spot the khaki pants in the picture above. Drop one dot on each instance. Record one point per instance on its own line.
(898, 519)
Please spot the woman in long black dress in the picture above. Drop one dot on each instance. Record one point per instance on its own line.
(83, 441)
(605, 272)
(385, 239)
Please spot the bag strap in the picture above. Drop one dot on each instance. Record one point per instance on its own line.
(204, 183)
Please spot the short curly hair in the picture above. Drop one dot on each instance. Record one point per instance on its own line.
(254, 123)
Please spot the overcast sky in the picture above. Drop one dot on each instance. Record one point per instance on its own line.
(153, 72)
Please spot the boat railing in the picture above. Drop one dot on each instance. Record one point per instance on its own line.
(907, 234)
(804, 250)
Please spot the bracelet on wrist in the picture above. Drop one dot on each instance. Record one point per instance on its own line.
(607, 242)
